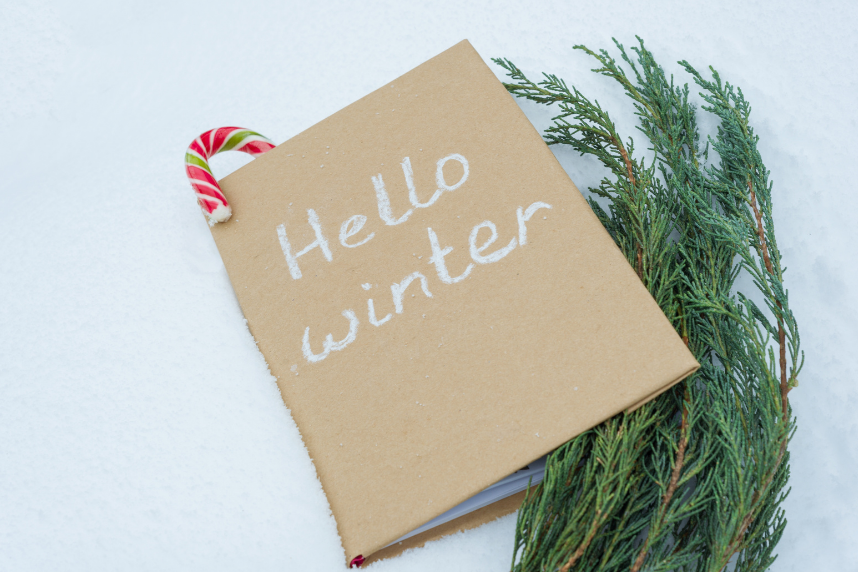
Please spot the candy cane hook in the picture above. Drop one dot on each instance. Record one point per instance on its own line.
(203, 148)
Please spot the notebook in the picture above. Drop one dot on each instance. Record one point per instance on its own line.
(437, 301)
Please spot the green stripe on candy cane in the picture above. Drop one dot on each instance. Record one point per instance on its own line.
(209, 195)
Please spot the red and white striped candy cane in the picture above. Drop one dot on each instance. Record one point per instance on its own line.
(209, 195)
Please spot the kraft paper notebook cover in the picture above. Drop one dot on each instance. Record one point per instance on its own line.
(436, 299)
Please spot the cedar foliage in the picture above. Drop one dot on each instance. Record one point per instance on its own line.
(695, 479)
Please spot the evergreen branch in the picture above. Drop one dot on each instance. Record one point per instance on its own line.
(698, 475)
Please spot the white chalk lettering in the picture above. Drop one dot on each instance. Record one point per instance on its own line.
(353, 233)
(437, 259)
(439, 172)
(412, 192)
(523, 218)
(399, 289)
(372, 319)
(384, 210)
(350, 228)
(476, 251)
(329, 344)
(320, 242)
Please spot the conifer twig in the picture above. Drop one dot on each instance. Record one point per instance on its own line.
(699, 474)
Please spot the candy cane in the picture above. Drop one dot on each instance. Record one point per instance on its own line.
(210, 143)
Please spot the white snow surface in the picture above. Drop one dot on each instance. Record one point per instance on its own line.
(140, 428)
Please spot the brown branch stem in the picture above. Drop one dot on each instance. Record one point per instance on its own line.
(584, 545)
(671, 487)
(627, 161)
(781, 332)
(631, 174)
(736, 542)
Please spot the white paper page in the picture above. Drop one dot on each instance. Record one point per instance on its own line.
(508, 486)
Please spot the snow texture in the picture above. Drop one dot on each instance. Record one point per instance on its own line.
(140, 428)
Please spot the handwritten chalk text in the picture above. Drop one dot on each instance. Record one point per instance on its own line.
(482, 249)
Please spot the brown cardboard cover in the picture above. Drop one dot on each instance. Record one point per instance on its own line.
(407, 419)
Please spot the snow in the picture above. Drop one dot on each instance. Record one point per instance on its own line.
(139, 426)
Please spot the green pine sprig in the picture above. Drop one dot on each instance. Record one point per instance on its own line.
(696, 478)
